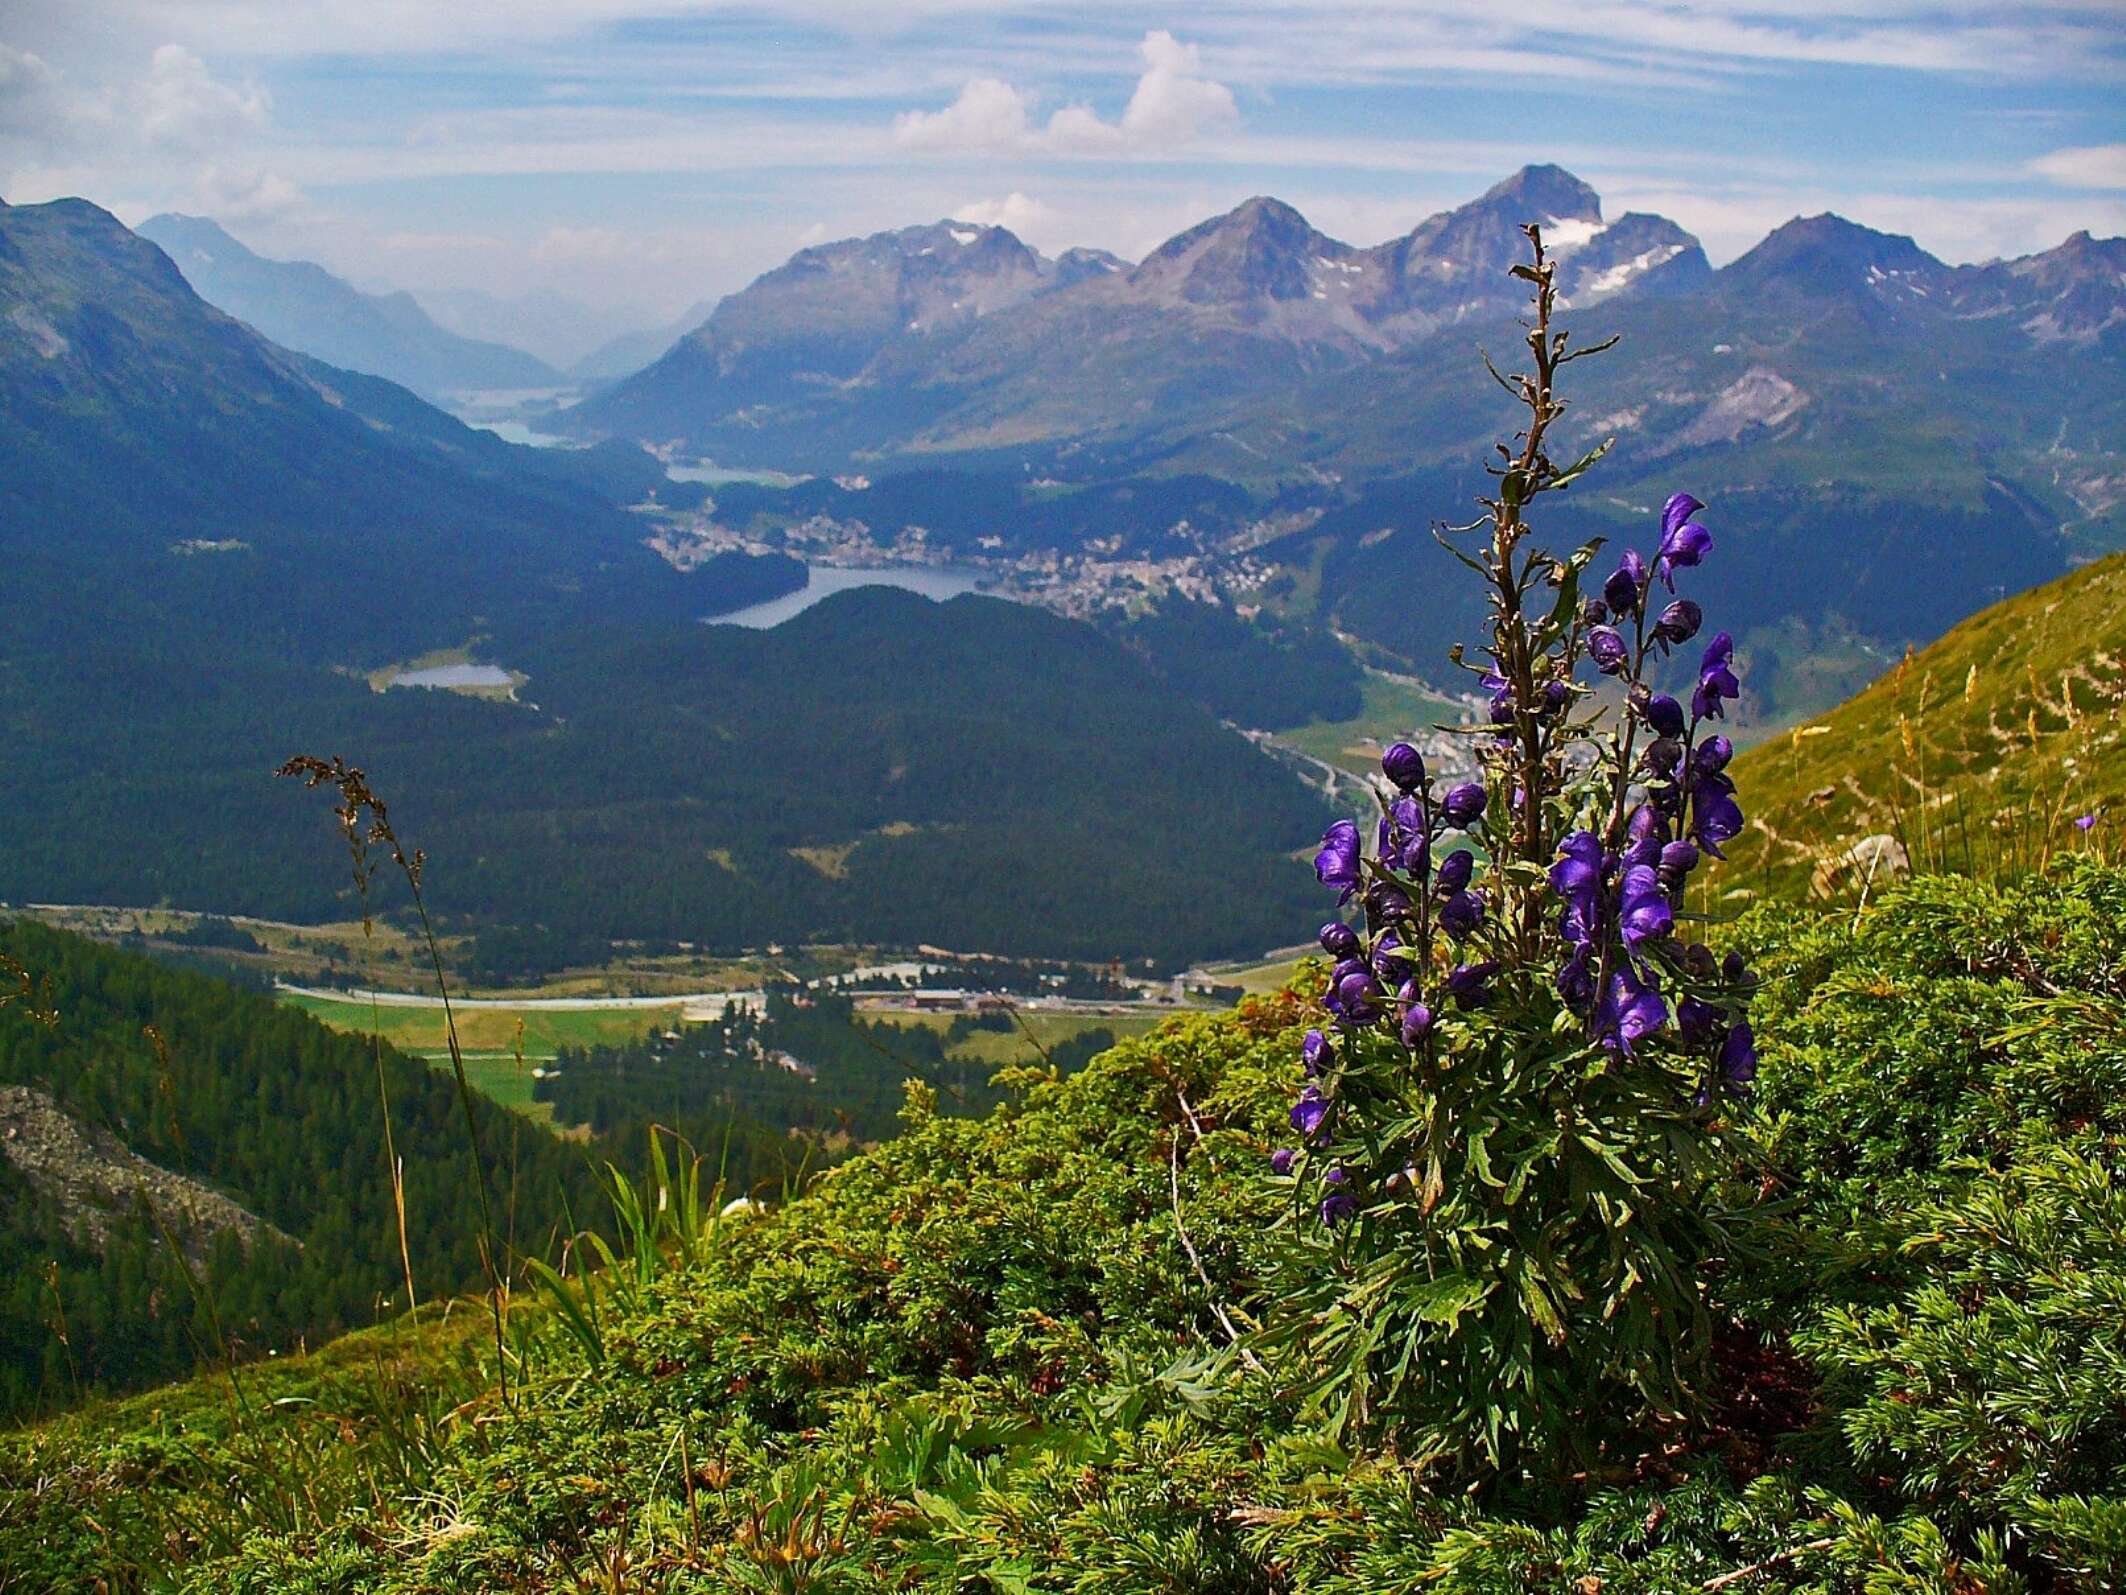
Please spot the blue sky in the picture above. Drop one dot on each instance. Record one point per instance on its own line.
(645, 157)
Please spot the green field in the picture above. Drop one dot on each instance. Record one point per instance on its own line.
(996, 1047)
(1394, 706)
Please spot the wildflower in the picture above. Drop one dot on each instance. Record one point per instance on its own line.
(1738, 1055)
(1465, 982)
(1577, 879)
(1339, 1204)
(1710, 756)
(1679, 622)
(1716, 680)
(1403, 765)
(1626, 585)
(1417, 1024)
(1630, 1011)
(1315, 1053)
(1664, 714)
(2085, 822)
(1696, 1020)
(1462, 805)
(1607, 648)
(1337, 863)
(1338, 940)
(1462, 915)
(1455, 869)
(1715, 815)
(1644, 913)
(1282, 1159)
(1576, 978)
(1684, 543)
(1308, 1112)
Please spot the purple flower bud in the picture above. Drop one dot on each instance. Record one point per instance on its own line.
(1679, 622)
(1455, 870)
(2085, 822)
(1664, 714)
(1386, 903)
(1282, 1159)
(1337, 863)
(1576, 979)
(1696, 1020)
(1663, 754)
(1357, 992)
(1464, 803)
(1461, 915)
(1607, 648)
(1466, 982)
(1629, 1012)
(1417, 855)
(1315, 1053)
(1678, 859)
(1308, 1112)
(1624, 587)
(1556, 695)
(1337, 1208)
(1338, 940)
(1595, 613)
(1711, 756)
(1417, 1024)
(1403, 765)
(1738, 1055)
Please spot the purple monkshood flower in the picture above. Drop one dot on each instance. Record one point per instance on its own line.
(1607, 648)
(1417, 1024)
(1339, 1204)
(1386, 903)
(1417, 855)
(1738, 1055)
(1576, 978)
(1556, 695)
(1715, 679)
(1308, 1112)
(1357, 992)
(1403, 765)
(1337, 863)
(1282, 1159)
(1696, 1021)
(1462, 805)
(1678, 859)
(1455, 869)
(1626, 585)
(1577, 879)
(1338, 940)
(1684, 543)
(1465, 982)
(1663, 754)
(2085, 822)
(1711, 756)
(1679, 622)
(1664, 714)
(1644, 913)
(1315, 1053)
(1715, 815)
(1462, 915)
(1629, 1012)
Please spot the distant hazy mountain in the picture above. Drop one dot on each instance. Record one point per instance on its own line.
(628, 352)
(161, 453)
(304, 307)
(558, 329)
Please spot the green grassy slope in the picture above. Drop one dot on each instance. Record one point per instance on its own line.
(978, 1358)
(1977, 752)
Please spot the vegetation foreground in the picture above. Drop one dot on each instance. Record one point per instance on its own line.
(990, 1356)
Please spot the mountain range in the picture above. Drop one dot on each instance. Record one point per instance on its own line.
(1255, 346)
(302, 306)
(218, 549)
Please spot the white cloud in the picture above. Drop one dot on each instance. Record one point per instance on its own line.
(989, 117)
(2088, 166)
(1172, 106)
(1015, 213)
(1175, 102)
(245, 194)
(181, 104)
